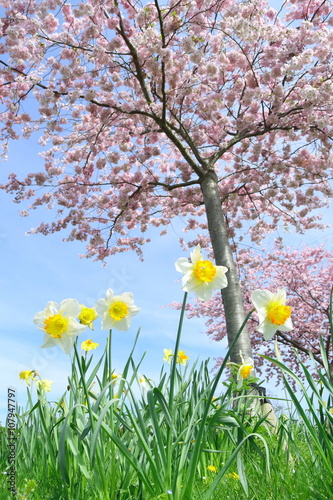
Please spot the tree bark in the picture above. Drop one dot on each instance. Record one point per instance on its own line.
(231, 295)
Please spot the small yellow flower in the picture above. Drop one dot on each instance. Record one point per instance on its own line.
(244, 371)
(28, 375)
(167, 355)
(331, 410)
(212, 468)
(44, 385)
(88, 345)
(87, 316)
(182, 358)
(232, 475)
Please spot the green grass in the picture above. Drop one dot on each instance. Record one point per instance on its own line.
(181, 439)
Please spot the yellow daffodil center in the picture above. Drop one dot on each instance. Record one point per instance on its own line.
(118, 310)
(278, 313)
(204, 270)
(56, 325)
(87, 315)
(245, 370)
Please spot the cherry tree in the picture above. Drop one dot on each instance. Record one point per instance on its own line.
(219, 111)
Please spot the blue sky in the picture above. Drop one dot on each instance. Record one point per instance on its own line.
(37, 268)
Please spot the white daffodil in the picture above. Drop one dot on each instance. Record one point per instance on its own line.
(201, 276)
(144, 382)
(272, 311)
(116, 377)
(244, 371)
(59, 324)
(116, 310)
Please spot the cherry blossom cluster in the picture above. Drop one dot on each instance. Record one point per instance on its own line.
(131, 104)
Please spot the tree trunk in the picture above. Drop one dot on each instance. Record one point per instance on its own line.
(231, 295)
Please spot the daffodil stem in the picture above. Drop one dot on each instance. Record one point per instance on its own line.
(111, 419)
(174, 358)
(109, 362)
(197, 446)
(85, 390)
(330, 364)
(86, 394)
(171, 396)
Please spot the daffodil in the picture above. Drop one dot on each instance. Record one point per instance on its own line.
(244, 371)
(144, 382)
(182, 358)
(201, 276)
(28, 375)
(88, 345)
(167, 355)
(116, 311)
(44, 385)
(272, 311)
(115, 377)
(87, 316)
(59, 324)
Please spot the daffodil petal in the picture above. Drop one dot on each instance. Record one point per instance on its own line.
(49, 341)
(66, 343)
(183, 265)
(261, 298)
(196, 254)
(70, 307)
